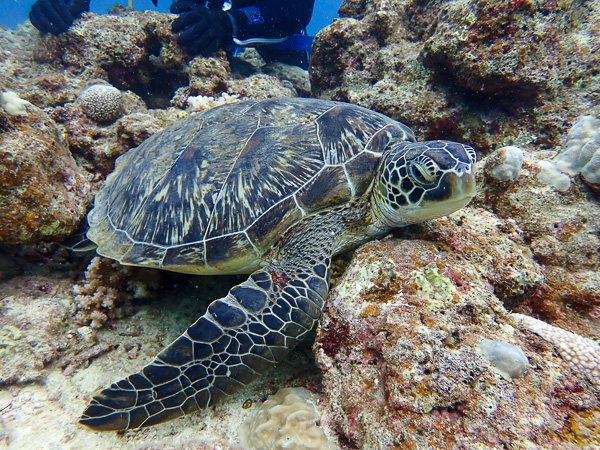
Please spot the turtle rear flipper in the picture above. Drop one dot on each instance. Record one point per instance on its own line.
(240, 336)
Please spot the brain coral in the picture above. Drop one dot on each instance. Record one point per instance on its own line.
(287, 420)
(102, 103)
(582, 153)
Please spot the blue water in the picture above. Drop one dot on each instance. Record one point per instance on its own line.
(15, 11)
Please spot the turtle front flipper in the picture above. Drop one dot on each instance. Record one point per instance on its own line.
(240, 336)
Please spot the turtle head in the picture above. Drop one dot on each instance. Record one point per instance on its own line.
(420, 181)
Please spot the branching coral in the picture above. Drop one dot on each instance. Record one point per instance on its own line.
(108, 290)
(203, 102)
(12, 104)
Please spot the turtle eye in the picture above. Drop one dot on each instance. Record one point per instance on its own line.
(422, 171)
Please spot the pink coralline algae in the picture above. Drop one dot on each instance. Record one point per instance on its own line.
(398, 347)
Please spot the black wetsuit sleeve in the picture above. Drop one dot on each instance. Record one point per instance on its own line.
(269, 19)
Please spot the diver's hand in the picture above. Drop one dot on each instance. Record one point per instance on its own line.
(201, 30)
(56, 16)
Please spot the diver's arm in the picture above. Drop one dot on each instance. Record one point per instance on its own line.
(270, 19)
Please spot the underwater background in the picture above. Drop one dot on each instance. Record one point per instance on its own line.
(479, 329)
(14, 12)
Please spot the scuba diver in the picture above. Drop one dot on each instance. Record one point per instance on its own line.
(203, 27)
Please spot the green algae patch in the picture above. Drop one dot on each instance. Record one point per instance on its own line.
(437, 285)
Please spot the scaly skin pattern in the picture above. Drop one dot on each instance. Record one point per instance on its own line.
(239, 337)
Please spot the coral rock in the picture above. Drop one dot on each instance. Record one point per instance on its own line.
(259, 86)
(43, 195)
(208, 76)
(487, 46)
(400, 365)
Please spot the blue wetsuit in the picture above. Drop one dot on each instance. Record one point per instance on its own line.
(268, 19)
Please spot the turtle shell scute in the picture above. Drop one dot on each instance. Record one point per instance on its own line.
(214, 191)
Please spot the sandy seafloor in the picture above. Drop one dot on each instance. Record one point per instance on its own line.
(44, 414)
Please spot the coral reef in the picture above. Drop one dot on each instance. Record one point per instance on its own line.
(400, 361)
(348, 64)
(489, 72)
(558, 234)
(96, 145)
(108, 289)
(581, 155)
(286, 420)
(102, 103)
(486, 46)
(137, 53)
(43, 194)
(398, 344)
(60, 364)
(131, 50)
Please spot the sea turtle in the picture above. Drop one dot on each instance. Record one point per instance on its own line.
(273, 188)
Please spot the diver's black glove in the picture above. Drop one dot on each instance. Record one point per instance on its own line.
(201, 30)
(56, 16)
